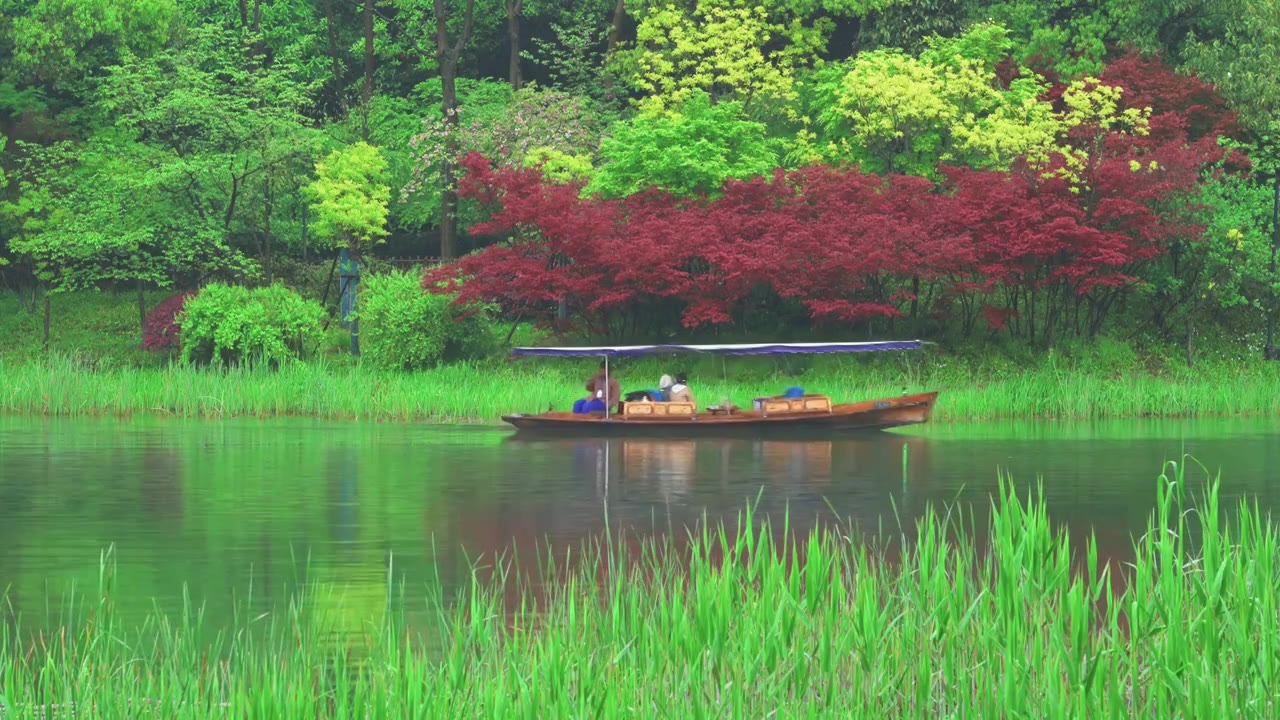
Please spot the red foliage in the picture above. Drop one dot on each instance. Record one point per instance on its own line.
(847, 245)
(160, 329)
(1176, 101)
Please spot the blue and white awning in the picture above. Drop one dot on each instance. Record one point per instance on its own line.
(739, 349)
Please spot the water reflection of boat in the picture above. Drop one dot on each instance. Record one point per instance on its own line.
(634, 467)
(587, 489)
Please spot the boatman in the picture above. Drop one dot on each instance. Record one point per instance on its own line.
(605, 391)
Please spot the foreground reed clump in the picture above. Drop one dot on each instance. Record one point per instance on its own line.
(1000, 619)
(60, 386)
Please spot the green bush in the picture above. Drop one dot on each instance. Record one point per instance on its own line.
(404, 327)
(231, 324)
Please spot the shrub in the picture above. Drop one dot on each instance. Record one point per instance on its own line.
(160, 329)
(230, 324)
(405, 327)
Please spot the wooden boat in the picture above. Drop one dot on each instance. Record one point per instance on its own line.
(806, 413)
(769, 414)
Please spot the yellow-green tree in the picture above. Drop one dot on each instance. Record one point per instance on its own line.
(739, 49)
(893, 112)
(897, 113)
(350, 196)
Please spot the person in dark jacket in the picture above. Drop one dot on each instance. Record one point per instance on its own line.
(605, 391)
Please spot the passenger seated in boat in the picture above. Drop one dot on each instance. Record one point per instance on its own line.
(604, 393)
(664, 388)
(680, 391)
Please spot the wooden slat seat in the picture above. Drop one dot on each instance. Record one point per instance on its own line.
(803, 404)
(633, 409)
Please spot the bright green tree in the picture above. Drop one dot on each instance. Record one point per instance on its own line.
(685, 151)
(350, 196)
(739, 49)
(897, 113)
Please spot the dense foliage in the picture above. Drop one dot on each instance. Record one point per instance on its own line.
(231, 325)
(404, 327)
(1071, 231)
(1031, 167)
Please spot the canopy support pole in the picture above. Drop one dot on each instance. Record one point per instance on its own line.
(606, 387)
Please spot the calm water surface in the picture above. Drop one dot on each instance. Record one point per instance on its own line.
(240, 512)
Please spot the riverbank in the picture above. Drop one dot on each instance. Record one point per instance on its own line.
(484, 392)
(95, 367)
(1008, 618)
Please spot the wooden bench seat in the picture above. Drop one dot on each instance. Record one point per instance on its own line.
(803, 404)
(633, 409)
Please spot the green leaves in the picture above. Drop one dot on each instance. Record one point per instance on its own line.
(685, 152)
(404, 327)
(105, 211)
(897, 113)
(1236, 243)
(60, 41)
(1244, 61)
(350, 196)
(231, 324)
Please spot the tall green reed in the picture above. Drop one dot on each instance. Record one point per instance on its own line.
(485, 392)
(953, 617)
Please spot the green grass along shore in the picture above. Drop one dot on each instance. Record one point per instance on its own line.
(484, 392)
(95, 368)
(960, 618)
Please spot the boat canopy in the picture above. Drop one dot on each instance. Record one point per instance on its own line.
(739, 349)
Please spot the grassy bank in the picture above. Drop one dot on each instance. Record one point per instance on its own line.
(94, 367)
(64, 387)
(731, 624)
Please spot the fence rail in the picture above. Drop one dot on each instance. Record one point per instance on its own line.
(415, 260)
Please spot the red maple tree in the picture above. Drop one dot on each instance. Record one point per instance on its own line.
(1027, 251)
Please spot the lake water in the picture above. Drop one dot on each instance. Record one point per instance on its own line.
(240, 512)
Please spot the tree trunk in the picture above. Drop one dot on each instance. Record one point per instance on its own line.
(1190, 356)
(305, 237)
(268, 197)
(367, 92)
(335, 55)
(46, 323)
(244, 13)
(257, 15)
(353, 290)
(1271, 353)
(142, 308)
(447, 54)
(615, 37)
(514, 8)
(615, 30)
(449, 198)
(915, 300)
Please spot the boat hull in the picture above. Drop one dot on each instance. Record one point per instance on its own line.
(867, 415)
